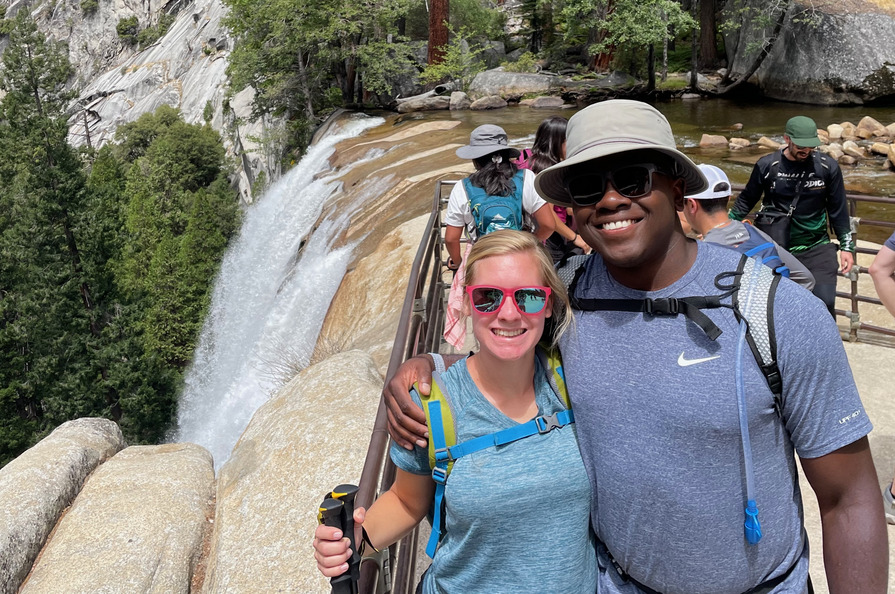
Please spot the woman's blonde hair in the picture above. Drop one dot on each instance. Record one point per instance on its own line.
(506, 242)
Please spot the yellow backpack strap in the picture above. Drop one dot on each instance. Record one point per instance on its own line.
(442, 435)
(552, 362)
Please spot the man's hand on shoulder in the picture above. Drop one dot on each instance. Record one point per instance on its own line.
(406, 421)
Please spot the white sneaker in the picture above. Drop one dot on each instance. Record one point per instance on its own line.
(889, 504)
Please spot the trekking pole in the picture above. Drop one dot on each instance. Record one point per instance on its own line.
(347, 494)
(330, 514)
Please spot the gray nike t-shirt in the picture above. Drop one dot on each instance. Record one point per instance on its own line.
(657, 419)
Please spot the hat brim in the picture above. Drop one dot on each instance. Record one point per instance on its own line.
(549, 182)
(475, 152)
(806, 142)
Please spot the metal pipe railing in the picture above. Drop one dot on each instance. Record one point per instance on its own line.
(419, 330)
(853, 296)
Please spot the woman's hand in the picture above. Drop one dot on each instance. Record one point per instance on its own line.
(332, 548)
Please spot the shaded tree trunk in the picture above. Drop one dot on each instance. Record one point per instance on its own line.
(439, 13)
(708, 33)
(651, 69)
(765, 50)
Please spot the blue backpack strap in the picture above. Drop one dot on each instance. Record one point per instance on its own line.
(536, 426)
(757, 246)
(444, 451)
(440, 419)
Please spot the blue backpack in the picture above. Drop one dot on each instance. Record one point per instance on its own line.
(491, 213)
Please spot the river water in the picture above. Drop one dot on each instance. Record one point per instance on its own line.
(690, 119)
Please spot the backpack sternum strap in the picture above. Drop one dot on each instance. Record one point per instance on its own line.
(688, 306)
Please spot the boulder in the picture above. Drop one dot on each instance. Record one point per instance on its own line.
(766, 142)
(823, 136)
(891, 155)
(269, 490)
(546, 103)
(459, 101)
(849, 131)
(851, 148)
(890, 130)
(691, 96)
(39, 484)
(370, 286)
(738, 143)
(135, 528)
(872, 127)
(834, 132)
(494, 53)
(847, 160)
(489, 102)
(508, 84)
(835, 153)
(880, 148)
(712, 141)
(820, 60)
(425, 104)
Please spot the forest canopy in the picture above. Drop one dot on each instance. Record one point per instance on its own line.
(106, 257)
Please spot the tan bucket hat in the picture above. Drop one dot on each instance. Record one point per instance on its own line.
(609, 128)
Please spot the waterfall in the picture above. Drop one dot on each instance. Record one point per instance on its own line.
(269, 300)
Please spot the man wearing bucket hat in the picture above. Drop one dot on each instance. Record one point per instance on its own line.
(706, 213)
(803, 191)
(659, 418)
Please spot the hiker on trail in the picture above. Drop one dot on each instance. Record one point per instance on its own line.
(809, 183)
(497, 196)
(706, 213)
(549, 148)
(881, 271)
(689, 453)
(512, 513)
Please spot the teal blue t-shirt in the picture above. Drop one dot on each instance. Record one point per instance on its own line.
(517, 516)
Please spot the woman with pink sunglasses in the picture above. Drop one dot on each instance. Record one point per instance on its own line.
(516, 512)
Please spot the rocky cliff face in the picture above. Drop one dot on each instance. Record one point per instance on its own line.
(843, 54)
(118, 82)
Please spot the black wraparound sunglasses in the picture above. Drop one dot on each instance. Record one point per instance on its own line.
(632, 181)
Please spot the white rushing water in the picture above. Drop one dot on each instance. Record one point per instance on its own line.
(268, 302)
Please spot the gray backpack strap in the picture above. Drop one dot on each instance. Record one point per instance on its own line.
(755, 302)
(571, 269)
(439, 362)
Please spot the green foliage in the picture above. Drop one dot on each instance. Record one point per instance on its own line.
(89, 7)
(127, 30)
(460, 62)
(292, 51)
(92, 321)
(526, 63)
(384, 63)
(207, 112)
(641, 23)
(150, 35)
(476, 17)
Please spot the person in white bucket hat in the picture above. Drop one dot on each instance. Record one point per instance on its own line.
(695, 486)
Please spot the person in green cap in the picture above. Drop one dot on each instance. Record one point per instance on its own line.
(798, 175)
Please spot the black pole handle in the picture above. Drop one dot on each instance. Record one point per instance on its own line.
(330, 514)
(347, 494)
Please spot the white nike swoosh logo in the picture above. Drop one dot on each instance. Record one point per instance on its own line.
(687, 362)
